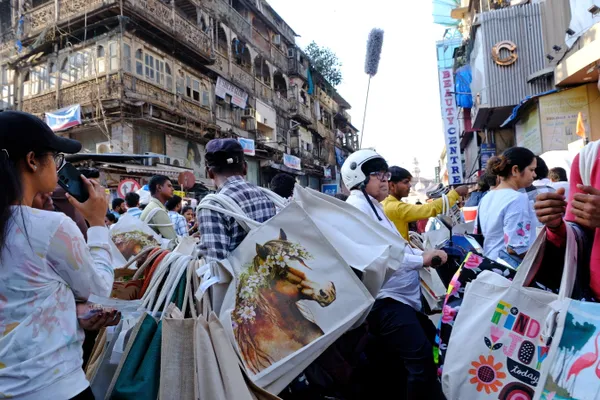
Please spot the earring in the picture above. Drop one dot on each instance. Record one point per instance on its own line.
(35, 167)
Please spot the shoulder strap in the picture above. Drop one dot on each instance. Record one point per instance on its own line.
(226, 205)
(279, 201)
(151, 215)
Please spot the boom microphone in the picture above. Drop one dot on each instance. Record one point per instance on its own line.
(374, 45)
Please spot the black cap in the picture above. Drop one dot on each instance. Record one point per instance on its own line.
(22, 132)
(223, 152)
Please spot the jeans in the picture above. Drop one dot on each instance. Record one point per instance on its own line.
(402, 354)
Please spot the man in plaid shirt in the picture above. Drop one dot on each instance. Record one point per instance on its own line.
(221, 234)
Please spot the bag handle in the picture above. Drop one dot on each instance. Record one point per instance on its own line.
(279, 201)
(151, 257)
(178, 268)
(570, 263)
(226, 209)
(157, 278)
(151, 215)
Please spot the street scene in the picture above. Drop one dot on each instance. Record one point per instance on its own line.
(265, 199)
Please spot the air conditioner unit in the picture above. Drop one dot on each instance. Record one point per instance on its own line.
(249, 113)
(291, 52)
(276, 40)
(156, 158)
(251, 125)
(103, 147)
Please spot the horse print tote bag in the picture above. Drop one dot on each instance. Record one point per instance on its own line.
(286, 294)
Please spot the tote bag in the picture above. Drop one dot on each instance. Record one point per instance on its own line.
(285, 294)
(365, 245)
(496, 348)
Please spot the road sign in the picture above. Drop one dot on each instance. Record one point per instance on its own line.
(127, 186)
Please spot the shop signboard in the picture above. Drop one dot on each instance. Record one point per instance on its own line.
(330, 189)
(292, 162)
(451, 127)
(248, 146)
(488, 150)
(225, 88)
(558, 117)
(528, 131)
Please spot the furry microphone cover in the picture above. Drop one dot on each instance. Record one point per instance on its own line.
(374, 45)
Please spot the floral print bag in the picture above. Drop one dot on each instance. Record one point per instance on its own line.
(472, 267)
(497, 349)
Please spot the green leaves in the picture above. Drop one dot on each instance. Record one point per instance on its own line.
(325, 62)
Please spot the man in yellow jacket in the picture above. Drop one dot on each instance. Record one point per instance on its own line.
(400, 213)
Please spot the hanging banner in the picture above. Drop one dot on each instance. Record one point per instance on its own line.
(450, 123)
(64, 118)
(248, 146)
(238, 96)
(292, 162)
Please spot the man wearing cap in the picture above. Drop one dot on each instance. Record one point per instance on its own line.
(400, 213)
(221, 234)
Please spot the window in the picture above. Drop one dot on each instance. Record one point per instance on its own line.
(53, 75)
(101, 61)
(114, 56)
(149, 66)
(205, 96)
(6, 87)
(169, 77)
(64, 72)
(84, 58)
(126, 57)
(139, 67)
(196, 90)
(160, 72)
(180, 83)
(188, 86)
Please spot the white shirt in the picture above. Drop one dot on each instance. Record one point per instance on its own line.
(404, 286)
(45, 266)
(505, 219)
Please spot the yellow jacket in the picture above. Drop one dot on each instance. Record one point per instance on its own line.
(401, 213)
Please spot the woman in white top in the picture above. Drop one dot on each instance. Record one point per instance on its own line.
(45, 267)
(504, 215)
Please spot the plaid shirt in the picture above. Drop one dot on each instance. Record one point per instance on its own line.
(179, 223)
(220, 234)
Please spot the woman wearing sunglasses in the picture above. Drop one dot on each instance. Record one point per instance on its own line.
(46, 267)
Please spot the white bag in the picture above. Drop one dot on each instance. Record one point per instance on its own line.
(497, 349)
(363, 244)
(131, 235)
(284, 295)
(432, 287)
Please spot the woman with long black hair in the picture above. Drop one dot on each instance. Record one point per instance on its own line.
(46, 267)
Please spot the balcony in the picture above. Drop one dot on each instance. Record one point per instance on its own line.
(88, 92)
(242, 77)
(140, 90)
(281, 102)
(279, 58)
(235, 21)
(323, 131)
(159, 15)
(350, 141)
(221, 65)
(295, 68)
(261, 43)
(264, 92)
(301, 111)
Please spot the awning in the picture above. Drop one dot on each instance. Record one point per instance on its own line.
(167, 170)
(526, 101)
(289, 170)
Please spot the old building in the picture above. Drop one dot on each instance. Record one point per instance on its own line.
(164, 77)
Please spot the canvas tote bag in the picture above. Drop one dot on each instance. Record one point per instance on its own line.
(363, 244)
(285, 294)
(496, 348)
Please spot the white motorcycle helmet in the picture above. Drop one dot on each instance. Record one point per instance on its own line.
(352, 172)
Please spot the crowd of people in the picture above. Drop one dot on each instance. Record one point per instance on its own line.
(55, 250)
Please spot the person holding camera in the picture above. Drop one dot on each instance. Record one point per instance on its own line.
(47, 266)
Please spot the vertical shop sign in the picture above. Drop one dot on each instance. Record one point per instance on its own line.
(450, 123)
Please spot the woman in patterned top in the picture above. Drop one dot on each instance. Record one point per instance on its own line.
(504, 215)
(46, 267)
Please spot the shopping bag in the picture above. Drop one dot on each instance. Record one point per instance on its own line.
(285, 294)
(471, 268)
(131, 236)
(573, 369)
(496, 349)
(362, 243)
(432, 288)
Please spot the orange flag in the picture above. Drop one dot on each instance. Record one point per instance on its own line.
(580, 127)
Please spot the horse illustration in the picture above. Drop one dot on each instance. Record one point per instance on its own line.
(269, 321)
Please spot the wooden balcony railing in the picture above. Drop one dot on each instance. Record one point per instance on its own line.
(242, 77)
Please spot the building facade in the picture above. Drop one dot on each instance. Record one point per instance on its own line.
(162, 78)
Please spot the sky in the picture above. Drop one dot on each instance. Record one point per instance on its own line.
(403, 117)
